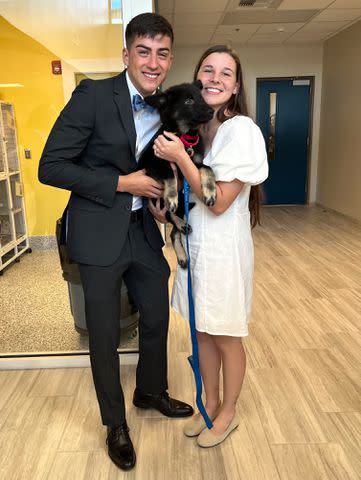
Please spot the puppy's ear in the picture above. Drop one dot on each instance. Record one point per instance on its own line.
(159, 100)
(198, 84)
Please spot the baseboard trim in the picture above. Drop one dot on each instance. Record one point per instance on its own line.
(38, 242)
(344, 215)
(57, 361)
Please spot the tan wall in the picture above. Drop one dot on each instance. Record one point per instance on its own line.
(339, 174)
(258, 62)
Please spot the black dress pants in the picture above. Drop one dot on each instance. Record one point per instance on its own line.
(145, 273)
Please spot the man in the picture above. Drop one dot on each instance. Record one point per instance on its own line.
(93, 150)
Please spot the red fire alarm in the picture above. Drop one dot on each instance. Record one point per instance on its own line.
(56, 67)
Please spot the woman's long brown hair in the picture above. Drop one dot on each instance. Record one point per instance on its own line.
(236, 105)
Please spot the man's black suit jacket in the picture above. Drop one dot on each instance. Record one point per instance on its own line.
(91, 144)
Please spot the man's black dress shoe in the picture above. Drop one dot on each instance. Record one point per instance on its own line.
(170, 407)
(120, 447)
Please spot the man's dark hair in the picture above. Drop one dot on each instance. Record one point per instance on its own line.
(147, 25)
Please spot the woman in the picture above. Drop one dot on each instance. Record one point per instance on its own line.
(221, 246)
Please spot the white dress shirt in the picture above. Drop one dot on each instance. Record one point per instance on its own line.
(146, 125)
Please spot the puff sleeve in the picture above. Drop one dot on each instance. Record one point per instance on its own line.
(238, 152)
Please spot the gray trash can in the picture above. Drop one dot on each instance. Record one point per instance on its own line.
(129, 314)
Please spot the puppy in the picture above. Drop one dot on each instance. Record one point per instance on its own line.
(182, 111)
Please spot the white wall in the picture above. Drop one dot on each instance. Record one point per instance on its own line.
(260, 62)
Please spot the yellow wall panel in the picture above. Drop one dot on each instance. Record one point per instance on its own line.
(37, 105)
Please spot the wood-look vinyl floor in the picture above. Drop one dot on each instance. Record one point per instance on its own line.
(300, 407)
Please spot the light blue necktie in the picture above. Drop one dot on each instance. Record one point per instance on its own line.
(139, 104)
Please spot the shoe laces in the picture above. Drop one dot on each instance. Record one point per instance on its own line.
(115, 433)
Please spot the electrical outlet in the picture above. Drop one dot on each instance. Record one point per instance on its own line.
(27, 153)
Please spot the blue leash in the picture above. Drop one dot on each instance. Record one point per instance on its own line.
(194, 358)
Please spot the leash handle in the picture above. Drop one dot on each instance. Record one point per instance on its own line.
(194, 358)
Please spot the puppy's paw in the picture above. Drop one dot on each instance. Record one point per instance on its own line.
(171, 204)
(183, 263)
(209, 197)
(186, 230)
(182, 258)
(209, 191)
(209, 201)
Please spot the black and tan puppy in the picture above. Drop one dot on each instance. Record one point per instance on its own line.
(182, 111)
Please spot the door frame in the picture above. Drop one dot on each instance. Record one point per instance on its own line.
(311, 78)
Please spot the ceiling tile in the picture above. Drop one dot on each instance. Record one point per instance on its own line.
(346, 4)
(323, 27)
(261, 41)
(193, 32)
(200, 5)
(186, 40)
(303, 41)
(223, 39)
(273, 27)
(204, 18)
(268, 16)
(195, 28)
(307, 37)
(261, 4)
(338, 15)
(234, 29)
(223, 34)
(304, 4)
(268, 38)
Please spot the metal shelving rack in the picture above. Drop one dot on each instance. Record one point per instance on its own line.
(14, 240)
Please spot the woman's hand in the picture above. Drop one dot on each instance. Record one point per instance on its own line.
(168, 147)
(157, 212)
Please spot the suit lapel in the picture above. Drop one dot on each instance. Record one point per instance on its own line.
(122, 100)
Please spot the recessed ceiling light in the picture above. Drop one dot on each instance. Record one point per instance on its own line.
(10, 85)
(280, 29)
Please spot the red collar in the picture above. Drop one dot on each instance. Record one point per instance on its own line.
(189, 140)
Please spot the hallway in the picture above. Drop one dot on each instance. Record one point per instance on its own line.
(300, 408)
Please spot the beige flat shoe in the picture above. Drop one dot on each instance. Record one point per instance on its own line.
(196, 424)
(209, 439)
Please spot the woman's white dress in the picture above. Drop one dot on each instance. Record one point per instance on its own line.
(221, 247)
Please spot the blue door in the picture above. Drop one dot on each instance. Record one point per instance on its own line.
(283, 109)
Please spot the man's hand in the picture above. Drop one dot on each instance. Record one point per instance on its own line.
(157, 212)
(138, 183)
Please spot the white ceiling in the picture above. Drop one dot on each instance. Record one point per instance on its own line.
(84, 29)
(268, 22)
(68, 28)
